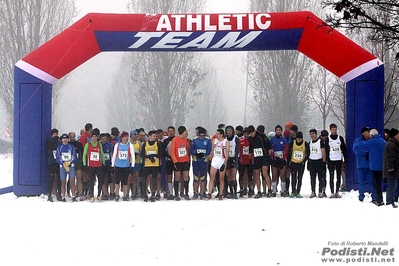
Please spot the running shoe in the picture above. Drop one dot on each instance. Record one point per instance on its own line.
(313, 195)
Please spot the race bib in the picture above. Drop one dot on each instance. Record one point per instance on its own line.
(258, 152)
(245, 150)
(182, 152)
(298, 155)
(314, 150)
(55, 154)
(278, 154)
(232, 153)
(151, 152)
(217, 152)
(66, 156)
(94, 156)
(335, 150)
(122, 155)
(201, 151)
(107, 156)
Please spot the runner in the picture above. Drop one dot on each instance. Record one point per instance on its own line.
(218, 157)
(316, 162)
(93, 160)
(134, 175)
(53, 166)
(232, 162)
(179, 151)
(323, 137)
(66, 157)
(245, 165)
(200, 149)
(169, 163)
(108, 170)
(78, 163)
(279, 155)
(336, 158)
(122, 159)
(260, 147)
(297, 156)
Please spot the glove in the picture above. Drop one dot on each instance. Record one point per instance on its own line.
(66, 166)
(222, 167)
(200, 155)
(152, 159)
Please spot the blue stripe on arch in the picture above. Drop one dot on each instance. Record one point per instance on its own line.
(266, 40)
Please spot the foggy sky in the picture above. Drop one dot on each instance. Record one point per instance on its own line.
(83, 98)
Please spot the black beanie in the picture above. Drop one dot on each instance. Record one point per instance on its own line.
(299, 135)
(181, 130)
(393, 132)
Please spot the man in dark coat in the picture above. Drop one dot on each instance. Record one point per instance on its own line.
(391, 165)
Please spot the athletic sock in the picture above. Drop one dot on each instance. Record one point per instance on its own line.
(282, 187)
(177, 188)
(170, 187)
(274, 187)
(235, 187)
(186, 187)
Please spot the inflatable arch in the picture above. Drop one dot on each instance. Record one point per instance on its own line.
(96, 33)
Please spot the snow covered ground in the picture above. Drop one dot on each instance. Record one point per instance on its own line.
(278, 231)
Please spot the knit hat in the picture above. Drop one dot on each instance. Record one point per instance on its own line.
(115, 131)
(181, 129)
(365, 129)
(239, 128)
(323, 133)
(288, 124)
(294, 128)
(64, 136)
(201, 132)
(299, 135)
(271, 134)
(393, 132)
(261, 129)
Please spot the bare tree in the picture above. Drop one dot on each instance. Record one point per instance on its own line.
(322, 93)
(122, 104)
(209, 109)
(339, 101)
(280, 79)
(381, 18)
(25, 25)
(166, 81)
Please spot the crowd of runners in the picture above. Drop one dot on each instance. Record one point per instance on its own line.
(157, 164)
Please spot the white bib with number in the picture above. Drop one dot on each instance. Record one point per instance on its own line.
(182, 152)
(278, 154)
(201, 151)
(245, 150)
(122, 155)
(258, 152)
(94, 156)
(298, 155)
(217, 152)
(66, 156)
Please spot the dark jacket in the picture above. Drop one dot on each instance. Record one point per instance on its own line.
(391, 159)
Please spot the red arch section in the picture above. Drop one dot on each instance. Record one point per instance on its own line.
(302, 30)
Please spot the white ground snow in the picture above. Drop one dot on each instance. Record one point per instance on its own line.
(278, 231)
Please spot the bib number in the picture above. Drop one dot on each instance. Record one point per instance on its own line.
(335, 150)
(232, 153)
(122, 155)
(245, 150)
(298, 155)
(258, 152)
(314, 150)
(182, 152)
(278, 154)
(55, 154)
(66, 156)
(94, 156)
(201, 151)
(217, 152)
